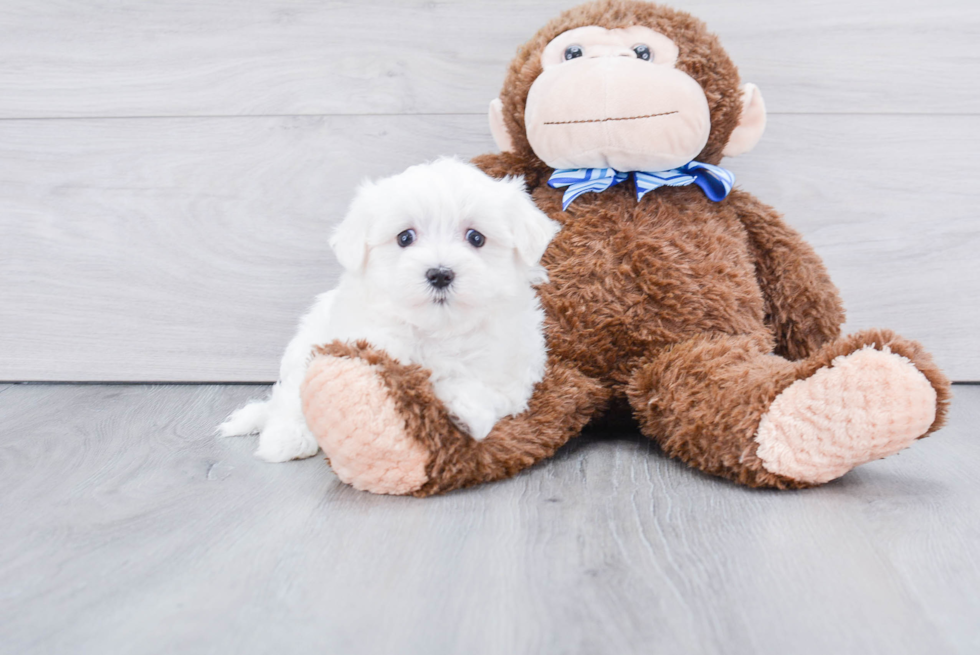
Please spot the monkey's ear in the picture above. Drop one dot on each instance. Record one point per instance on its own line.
(751, 124)
(497, 128)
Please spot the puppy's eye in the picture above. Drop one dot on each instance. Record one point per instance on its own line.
(475, 238)
(573, 52)
(643, 52)
(406, 238)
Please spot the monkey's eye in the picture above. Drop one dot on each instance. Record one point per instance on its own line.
(476, 239)
(573, 51)
(406, 238)
(643, 52)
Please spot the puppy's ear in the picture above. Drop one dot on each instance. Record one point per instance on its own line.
(350, 239)
(531, 228)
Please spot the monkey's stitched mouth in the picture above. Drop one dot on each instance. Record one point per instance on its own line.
(604, 120)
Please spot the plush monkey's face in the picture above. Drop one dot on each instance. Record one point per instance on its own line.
(613, 98)
(629, 97)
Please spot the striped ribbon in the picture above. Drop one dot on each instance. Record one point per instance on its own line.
(715, 181)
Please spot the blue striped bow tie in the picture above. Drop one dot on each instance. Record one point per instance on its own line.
(715, 181)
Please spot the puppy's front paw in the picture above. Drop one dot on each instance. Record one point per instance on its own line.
(281, 442)
(479, 427)
(474, 418)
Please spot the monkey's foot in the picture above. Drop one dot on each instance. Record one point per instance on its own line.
(865, 406)
(350, 410)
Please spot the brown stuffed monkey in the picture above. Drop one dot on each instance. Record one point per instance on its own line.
(671, 293)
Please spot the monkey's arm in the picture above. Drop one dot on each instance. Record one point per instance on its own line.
(803, 307)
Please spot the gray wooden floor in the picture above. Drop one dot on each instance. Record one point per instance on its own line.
(127, 528)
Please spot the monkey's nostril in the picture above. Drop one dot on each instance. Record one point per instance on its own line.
(440, 277)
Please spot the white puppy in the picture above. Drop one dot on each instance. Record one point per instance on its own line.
(439, 267)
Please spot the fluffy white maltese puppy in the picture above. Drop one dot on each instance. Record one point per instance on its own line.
(440, 264)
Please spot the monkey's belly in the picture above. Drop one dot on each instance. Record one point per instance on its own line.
(619, 295)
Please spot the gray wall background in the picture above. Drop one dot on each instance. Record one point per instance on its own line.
(169, 171)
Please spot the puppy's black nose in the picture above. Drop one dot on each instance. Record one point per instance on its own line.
(440, 277)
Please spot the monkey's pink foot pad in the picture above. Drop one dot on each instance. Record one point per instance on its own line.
(351, 413)
(867, 405)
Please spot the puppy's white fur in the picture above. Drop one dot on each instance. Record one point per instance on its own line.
(481, 337)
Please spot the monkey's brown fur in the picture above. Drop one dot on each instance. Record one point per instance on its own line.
(697, 313)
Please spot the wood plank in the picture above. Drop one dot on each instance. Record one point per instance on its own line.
(213, 57)
(186, 249)
(129, 528)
